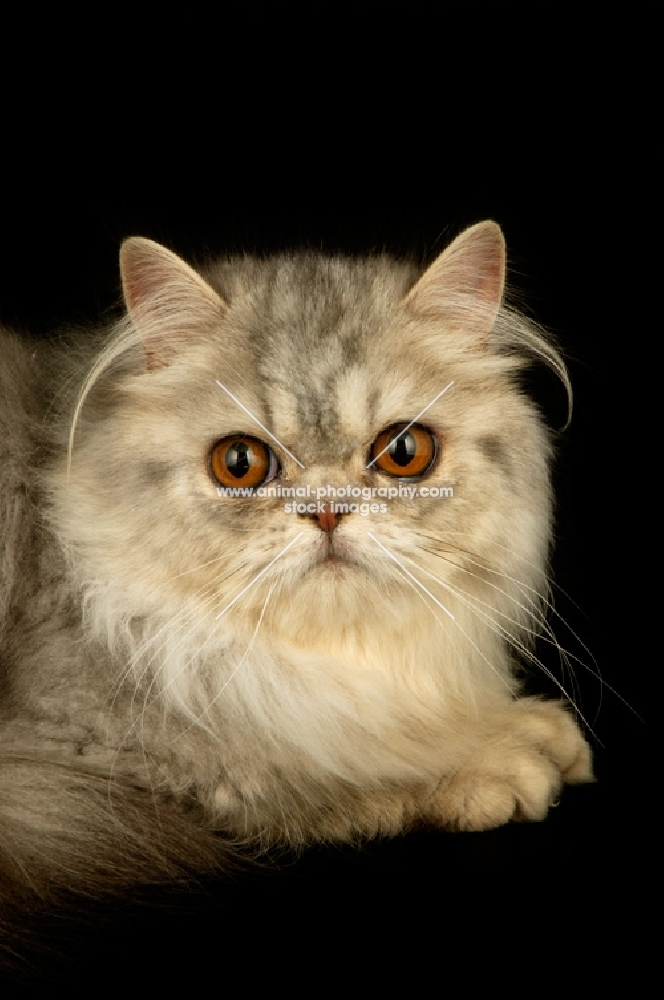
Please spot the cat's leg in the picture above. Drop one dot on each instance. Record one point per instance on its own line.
(513, 766)
(523, 756)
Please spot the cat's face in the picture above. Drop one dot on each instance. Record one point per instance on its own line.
(298, 374)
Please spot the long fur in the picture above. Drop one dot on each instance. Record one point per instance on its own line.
(160, 687)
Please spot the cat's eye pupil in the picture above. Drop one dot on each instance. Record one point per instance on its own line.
(238, 460)
(403, 449)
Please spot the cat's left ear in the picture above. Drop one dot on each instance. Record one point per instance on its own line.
(463, 288)
(169, 303)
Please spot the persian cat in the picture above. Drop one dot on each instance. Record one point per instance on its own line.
(274, 551)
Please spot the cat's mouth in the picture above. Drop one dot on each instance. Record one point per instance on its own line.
(334, 554)
(333, 557)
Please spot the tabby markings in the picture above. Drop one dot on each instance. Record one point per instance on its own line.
(257, 421)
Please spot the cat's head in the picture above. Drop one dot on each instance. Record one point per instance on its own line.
(321, 372)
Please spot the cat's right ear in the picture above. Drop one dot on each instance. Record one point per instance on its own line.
(169, 303)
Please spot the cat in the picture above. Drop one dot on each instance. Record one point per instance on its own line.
(331, 654)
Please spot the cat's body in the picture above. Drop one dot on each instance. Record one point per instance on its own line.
(176, 662)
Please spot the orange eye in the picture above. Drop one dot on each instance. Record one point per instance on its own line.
(404, 453)
(241, 460)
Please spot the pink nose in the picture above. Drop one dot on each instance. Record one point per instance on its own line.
(327, 519)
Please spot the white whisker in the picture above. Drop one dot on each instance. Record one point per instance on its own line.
(456, 622)
(537, 602)
(235, 670)
(259, 575)
(408, 573)
(251, 584)
(511, 639)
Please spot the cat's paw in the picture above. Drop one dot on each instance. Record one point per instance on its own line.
(518, 773)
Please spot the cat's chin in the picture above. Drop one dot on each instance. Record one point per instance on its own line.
(328, 591)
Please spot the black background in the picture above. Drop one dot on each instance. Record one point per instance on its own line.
(363, 168)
